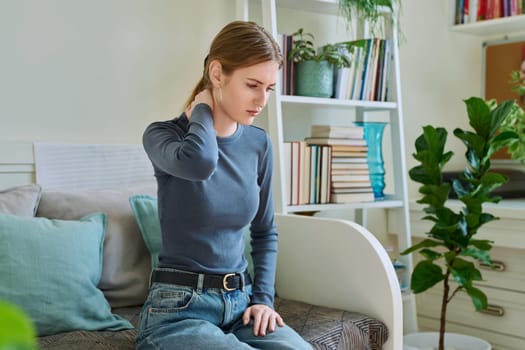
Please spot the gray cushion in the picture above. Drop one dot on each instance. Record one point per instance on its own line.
(20, 200)
(126, 263)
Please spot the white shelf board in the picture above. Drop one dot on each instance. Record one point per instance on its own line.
(369, 105)
(388, 203)
(499, 26)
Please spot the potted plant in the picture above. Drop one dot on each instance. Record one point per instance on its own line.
(314, 68)
(367, 10)
(452, 244)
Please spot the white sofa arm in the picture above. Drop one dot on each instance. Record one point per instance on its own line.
(339, 264)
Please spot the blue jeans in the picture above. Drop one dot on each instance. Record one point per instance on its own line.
(180, 317)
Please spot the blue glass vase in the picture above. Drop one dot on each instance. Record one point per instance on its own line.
(374, 140)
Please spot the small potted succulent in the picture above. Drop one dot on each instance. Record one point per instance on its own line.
(314, 68)
(451, 246)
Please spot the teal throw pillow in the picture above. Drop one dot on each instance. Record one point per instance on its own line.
(51, 268)
(147, 215)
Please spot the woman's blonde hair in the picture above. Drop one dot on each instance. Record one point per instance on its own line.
(239, 44)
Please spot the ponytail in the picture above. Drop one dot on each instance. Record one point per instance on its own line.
(198, 88)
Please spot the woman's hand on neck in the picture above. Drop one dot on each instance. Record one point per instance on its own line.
(204, 96)
(223, 125)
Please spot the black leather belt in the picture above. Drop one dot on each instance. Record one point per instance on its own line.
(228, 282)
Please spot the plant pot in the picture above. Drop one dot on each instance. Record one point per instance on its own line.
(314, 79)
(453, 341)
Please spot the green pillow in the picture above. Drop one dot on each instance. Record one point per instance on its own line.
(51, 268)
(147, 215)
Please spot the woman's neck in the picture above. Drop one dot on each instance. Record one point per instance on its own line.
(224, 126)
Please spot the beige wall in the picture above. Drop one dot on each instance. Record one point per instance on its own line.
(99, 71)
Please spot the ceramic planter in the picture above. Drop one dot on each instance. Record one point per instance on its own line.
(314, 79)
(453, 341)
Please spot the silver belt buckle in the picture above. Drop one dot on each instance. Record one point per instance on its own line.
(225, 282)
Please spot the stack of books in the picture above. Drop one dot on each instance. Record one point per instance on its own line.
(330, 166)
(307, 173)
(349, 173)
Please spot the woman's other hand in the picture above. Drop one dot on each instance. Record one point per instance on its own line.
(264, 319)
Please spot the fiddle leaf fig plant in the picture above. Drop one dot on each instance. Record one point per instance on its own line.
(451, 246)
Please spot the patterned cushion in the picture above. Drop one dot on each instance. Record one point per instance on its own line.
(324, 328)
(327, 328)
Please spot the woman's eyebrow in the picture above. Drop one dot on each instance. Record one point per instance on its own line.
(260, 82)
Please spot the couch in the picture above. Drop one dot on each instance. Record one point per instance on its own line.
(338, 292)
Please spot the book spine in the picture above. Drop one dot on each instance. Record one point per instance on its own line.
(473, 11)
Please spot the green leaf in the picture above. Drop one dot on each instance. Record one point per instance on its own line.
(499, 114)
(482, 244)
(479, 116)
(477, 254)
(430, 254)
(464, 272)
(426, 243)
(479, 299)
(425, 275)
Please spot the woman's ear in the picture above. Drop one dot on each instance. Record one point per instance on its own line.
(215, 71)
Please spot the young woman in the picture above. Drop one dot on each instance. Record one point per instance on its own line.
(214, 175)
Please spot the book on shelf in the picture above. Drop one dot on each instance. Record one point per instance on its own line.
(356, 197)
(287, 83)
(348, 160)
(287, 170)
(368, 75)
(326, 177)
(471, 11)
(334, 141)
(349, 148)
(349, 166)
(307, 170)
(337, 131)
(339, 154)
(350, 177)
(351, 184)
(345, 171)
(304, 180)
(352, 190)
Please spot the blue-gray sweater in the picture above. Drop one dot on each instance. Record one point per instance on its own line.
(209, 189)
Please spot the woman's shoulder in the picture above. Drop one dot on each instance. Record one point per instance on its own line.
(177, 123)
(257, 132)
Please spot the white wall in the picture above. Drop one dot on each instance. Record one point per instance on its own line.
(101, 70)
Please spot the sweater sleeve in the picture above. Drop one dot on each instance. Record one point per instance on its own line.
(264, 236)
(191, 155)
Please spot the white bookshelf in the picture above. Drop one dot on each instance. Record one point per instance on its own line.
(278, 108)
